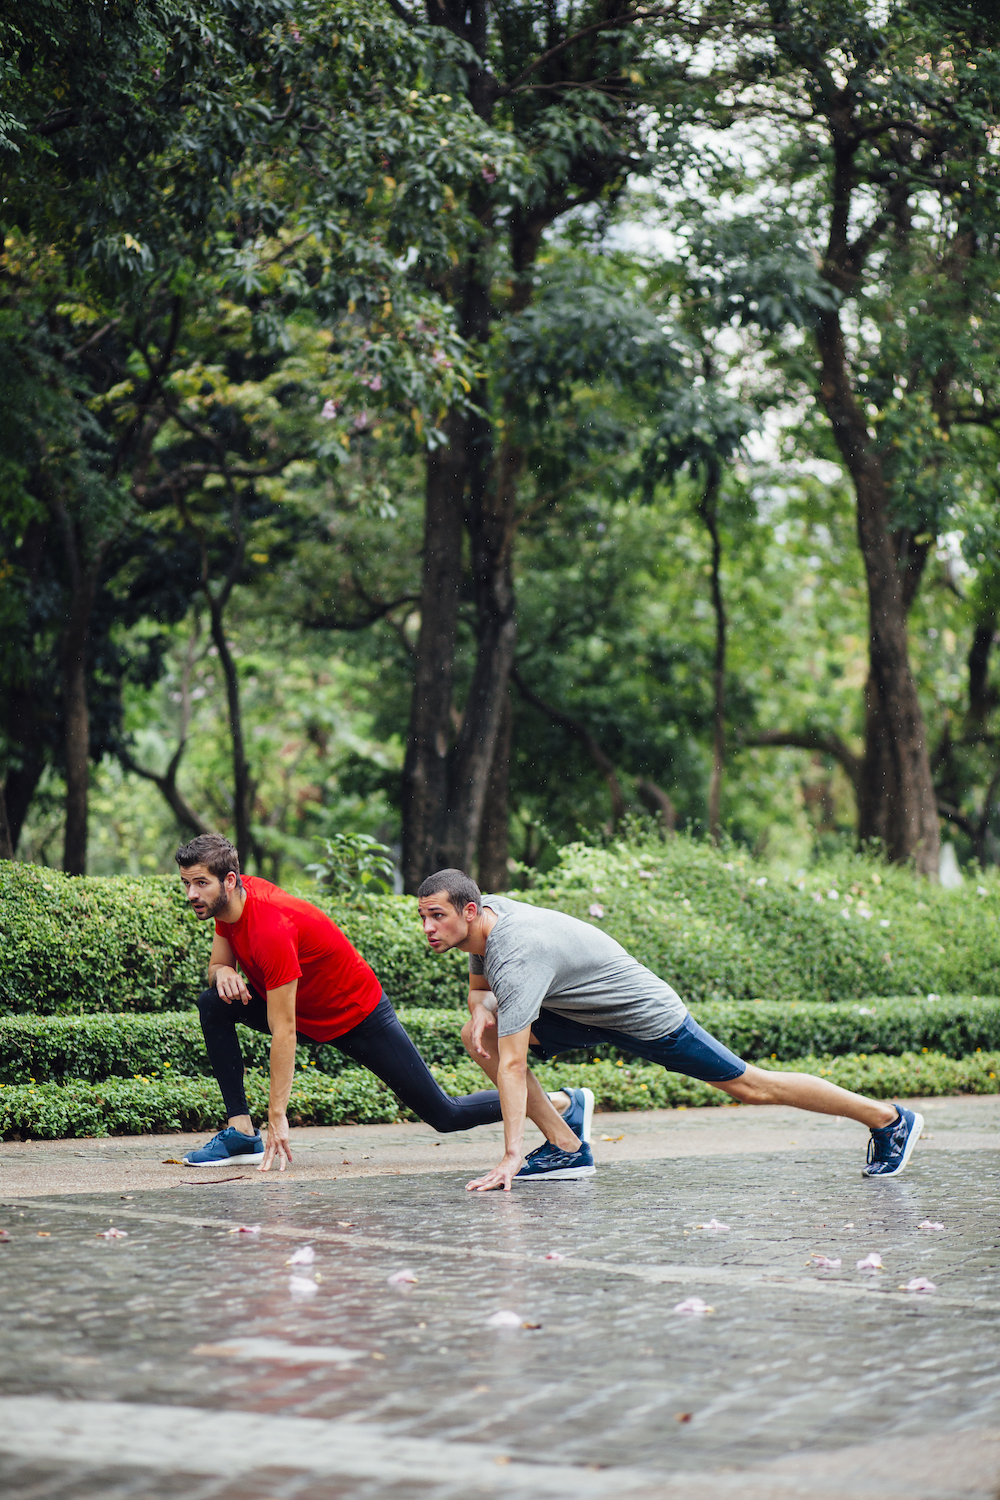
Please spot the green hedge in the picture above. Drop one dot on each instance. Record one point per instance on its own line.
(139, 1106)
(79, 946)
(45, 1049)
(136, 1106)
(717, 927)
(720, 925)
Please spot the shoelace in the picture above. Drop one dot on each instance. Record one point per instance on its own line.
(881, 1150)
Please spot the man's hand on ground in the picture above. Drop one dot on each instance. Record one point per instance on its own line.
(231, 986)
(482, 1017)
(500, 1177)
(278, 1147)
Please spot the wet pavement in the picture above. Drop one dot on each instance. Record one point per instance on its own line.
(182, 1358)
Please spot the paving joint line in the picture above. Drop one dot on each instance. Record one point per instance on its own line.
(654, 1274)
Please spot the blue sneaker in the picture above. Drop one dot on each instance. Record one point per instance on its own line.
(891, 1147)
(229, 1145)
(548, 1162)
(580, 1115)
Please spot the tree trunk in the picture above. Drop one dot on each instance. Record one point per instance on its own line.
(6, 847)
(897, 802)
(243, 789)
(709, 514)
(24, 731)
(76, 714)
(491, 530)
(659, 804)
(494, 840)
(425, 772)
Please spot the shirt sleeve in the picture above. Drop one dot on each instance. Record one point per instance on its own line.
(277, 952)
(520, 988)
(476, 964)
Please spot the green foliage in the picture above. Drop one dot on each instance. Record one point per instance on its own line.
(717, 928)
(141, 1105)
(354, 862)
(628, 1086)
(51, 1049)
(73, 946)
(47, 1111)
(721, 927)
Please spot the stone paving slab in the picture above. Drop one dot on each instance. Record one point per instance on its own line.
(800, 1382)
(124, 1164)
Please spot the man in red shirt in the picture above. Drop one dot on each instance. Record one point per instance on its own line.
(303, 978)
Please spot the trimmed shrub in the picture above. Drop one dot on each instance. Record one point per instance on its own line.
(724, 926)
(77, 945)
(154, 1105)
(717, 928)
(137, 1106)
(86, 945)
(42, 1049)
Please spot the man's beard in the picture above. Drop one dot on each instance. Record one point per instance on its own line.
(212, 908)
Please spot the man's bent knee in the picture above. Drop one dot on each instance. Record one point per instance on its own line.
(211, 1004)
(752, 1087)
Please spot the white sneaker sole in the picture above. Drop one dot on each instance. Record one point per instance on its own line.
(908, 1150)
(588, 1113)
(561, 1175)
(231, 1161)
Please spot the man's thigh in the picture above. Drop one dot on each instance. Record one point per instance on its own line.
(689, 1049)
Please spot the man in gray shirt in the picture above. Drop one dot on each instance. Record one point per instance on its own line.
(543, 980)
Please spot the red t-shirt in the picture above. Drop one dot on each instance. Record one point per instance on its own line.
(280, 938)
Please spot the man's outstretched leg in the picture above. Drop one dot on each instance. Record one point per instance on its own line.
(895, 1130)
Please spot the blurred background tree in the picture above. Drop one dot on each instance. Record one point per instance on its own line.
(458, 429)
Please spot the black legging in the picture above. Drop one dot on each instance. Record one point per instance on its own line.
(379, 1044)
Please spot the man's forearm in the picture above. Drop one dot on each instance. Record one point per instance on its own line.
(282, 1070)
(512, 1083)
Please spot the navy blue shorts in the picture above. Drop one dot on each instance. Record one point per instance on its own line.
(690, 1049)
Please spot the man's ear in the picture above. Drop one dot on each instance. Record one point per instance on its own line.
(470, 911)
(229, 884)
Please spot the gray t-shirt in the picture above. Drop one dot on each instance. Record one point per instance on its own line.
(536, 958)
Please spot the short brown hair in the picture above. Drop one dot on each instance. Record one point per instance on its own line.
(457, 886)
(215, 852)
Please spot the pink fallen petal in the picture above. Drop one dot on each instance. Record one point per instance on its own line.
(302, 1257)
(715, 1225)
(113, 1234)
(872, 1262)
(824, 1263)
(302, 1286)
(595, 909)
(402, 1278)
(919, 1284)
(245, 1229)
(692, 1307)
(555, 1255)
(503, 1319)
(929, 1224)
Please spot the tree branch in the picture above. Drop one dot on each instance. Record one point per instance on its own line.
(167, 786)
(601, 760)
(812, 739)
